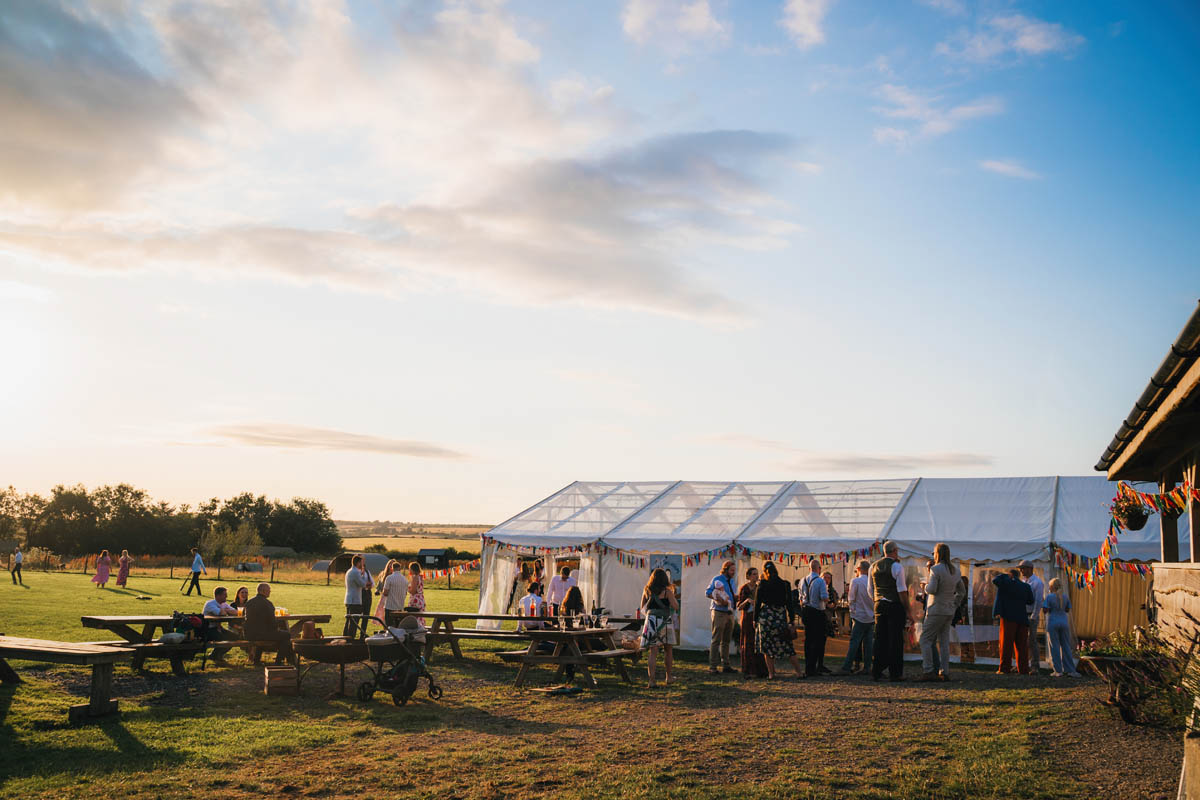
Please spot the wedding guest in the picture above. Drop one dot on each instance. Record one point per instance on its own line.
(557, 590)
(416, 590)
(103, 564)
(944, 591)
(892, 613)
(532, 606)
(197, 568)
(659, 608)
(356, 583)
(1013, 597)
(813, 596)
(240, 597)
(753, 665)
(771, 616)
(571, 605)
(720, 591)
(367, 591)
(1057, 606)
(862, 621)
(1035, 612)
(17, 559)
(218, 607)
(831, 621)
(393, 592)
(261, 625)
(123, 568)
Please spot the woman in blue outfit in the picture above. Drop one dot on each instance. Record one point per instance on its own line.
(1057, 606)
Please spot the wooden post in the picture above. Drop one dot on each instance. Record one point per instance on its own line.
(273, 573)
(1193, 507)
(172, 572)
(1168, 527)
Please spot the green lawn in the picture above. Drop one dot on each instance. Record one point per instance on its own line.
(214, 733)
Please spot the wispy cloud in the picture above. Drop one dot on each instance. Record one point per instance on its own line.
(267, 434)
(676, 26)
(1012, 35)
(956, 8)
(801, 462)
(930, 115)
(804, 20)
(1010, 169)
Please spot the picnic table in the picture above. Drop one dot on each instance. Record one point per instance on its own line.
(571, 647)
(143, 646)
(442, 629)
(98, 657)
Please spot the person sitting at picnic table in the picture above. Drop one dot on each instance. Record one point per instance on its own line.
(123, 571)
(240, 597)
(262, 626)
(1013, 597)
(659, 607)
(356, 583)
(534, 607)
(394, 589)
(557, 590)
(753, 665)
(218, 607)
(103, 564)
(572, 604)
(772, 613)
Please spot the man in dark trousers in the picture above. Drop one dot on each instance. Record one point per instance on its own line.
(197, 568)
(814, 594)
(1014, 598)
(891, 613)
(261, 625)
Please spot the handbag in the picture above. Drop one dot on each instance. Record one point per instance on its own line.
(789, 632)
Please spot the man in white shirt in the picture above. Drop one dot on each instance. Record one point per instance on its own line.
(16, 566)
(218, 607)
(862, 615)
(395, 587)
(559, 585)
(813, 596)
(1039, 594)
(356, 584)
(197, 568)
(532, 606)
(892, 613)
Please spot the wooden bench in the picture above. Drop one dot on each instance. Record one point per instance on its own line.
(100, 658)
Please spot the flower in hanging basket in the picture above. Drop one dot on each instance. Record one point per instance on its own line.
(1129, 512)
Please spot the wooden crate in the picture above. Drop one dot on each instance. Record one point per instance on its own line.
(281, 680)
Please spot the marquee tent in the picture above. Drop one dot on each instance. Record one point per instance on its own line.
(619, 531)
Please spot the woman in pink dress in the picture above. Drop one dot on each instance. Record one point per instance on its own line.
(416, 590)
(391, 567)
(123, 572)
(103, 563)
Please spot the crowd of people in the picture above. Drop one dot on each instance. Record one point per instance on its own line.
(400, 592)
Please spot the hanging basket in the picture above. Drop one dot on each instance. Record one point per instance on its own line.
(1135, 518)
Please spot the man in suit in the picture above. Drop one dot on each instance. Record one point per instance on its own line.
(261, 625)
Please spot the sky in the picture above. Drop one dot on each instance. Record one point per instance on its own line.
(434, 261)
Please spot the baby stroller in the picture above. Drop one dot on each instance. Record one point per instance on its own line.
(398, 669)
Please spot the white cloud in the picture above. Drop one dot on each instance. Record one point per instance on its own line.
(930, 115)
(956, 8)
(1009, 168)
(301, 437)
(801, 462)
(674, 25)
(804, 21)
(1010, 35)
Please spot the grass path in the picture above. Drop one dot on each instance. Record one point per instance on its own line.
(214, 734)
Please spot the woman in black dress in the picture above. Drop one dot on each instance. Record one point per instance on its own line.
(771, 617)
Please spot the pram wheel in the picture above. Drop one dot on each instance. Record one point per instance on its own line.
(435, 693)
(366, 690)
(399, 699)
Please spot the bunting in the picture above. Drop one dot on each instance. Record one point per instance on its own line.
(454, 571)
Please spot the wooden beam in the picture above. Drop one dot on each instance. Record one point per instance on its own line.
(1186, 386)
(1193, 508)
(1169, 528)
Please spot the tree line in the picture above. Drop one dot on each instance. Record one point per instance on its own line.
(74, 521)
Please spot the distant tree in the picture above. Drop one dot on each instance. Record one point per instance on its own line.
(223, 545)
(30, 510)
(376, 548)
(70, 522)
(245, 507)
(304, 525)
(126, 519)
(10, 520)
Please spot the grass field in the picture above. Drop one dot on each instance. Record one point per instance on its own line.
(411, 544)
(214, 734)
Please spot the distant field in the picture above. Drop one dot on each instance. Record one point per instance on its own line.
(412, 543)
(355, 530)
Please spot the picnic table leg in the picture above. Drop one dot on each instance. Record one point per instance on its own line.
(558, 650)
(177, 666)
(611, 643)
(453, 640)
(582, 668)
(437, 624)
(524, 670)
(100, 701)
(7, 673)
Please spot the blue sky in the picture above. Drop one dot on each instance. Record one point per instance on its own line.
(433, 261)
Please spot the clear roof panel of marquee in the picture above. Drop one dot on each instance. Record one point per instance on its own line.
(581, 513)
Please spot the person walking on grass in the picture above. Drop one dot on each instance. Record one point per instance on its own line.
(1035, 613)
(17, 560)
(356, 583)
(813, 596)
(721, 592)
(103, 566)
(772, 617)
(197, 568)
(123, 568)
(659, 608)
(1013, 598)
(862, 619)
(943, 592)
(892, 614)
(1057, 606)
